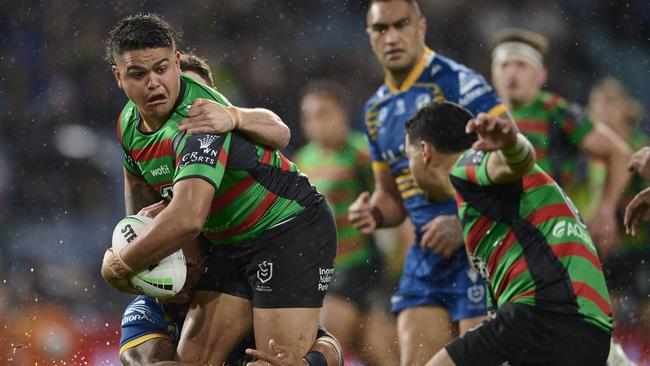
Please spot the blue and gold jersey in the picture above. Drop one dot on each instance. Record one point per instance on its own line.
(434, 78)
(145, 319)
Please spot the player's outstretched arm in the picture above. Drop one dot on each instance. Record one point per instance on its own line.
(604, 144)
(179, 223)
(515, 155)
(259, 124)
(640, 162)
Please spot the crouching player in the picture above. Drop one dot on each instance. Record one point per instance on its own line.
(522, 234)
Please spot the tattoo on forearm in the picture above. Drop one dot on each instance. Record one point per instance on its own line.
(140, 196)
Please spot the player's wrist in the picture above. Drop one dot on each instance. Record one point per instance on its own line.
(117, 265)
(235, 116)
(518, 153)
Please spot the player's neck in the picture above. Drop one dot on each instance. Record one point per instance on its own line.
(150, 123)
(398, 78)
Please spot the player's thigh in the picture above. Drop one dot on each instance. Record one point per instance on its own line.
(422, 331)
(294, 328)
(379, 338)
(441, 359)
(341, 318)
(214, 325)
(466, 324)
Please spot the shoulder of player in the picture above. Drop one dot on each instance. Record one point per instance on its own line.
(198, 90)
(551, 100)
(127, 119)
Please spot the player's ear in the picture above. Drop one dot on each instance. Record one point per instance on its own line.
(422, 26)
(542, 77)
(117, 75)
(177, 62)
(426, 151)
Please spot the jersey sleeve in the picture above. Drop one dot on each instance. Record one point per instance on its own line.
(203, 156)
(143, 320)
(472, 167)
(127, 161)
(370, 127)
(575, 123)
(470, 89)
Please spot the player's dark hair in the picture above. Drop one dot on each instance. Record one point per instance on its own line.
(442, 124)
(137, 32)
(535, 40)
(327, 88)
(412, 2)
(192, 62)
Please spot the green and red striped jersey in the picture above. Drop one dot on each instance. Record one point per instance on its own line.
(341, 176)
(256, 187)
(556, 129)
(528, 239)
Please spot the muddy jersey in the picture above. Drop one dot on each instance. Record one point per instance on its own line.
(256, 187)
(528, 240)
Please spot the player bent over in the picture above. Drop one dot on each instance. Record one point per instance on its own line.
(274, 230)
(522, 234)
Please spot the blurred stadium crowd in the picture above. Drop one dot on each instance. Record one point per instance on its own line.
(60, 168)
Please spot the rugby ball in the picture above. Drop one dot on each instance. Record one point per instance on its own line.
(161, 280)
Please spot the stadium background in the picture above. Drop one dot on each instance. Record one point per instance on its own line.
(60, 172)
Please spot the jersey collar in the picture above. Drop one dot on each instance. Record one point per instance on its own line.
(413, 76)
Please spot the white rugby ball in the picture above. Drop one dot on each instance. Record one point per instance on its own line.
(161, 280)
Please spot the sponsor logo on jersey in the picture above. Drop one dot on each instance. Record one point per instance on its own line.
(422, 100)
(201, 149)
(324, 278)
(474, 94)
(161, 170)
(136, 312)
(400, 107)
(571, 229)
(383, 114)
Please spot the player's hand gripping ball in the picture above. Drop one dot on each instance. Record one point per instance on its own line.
(161, 280)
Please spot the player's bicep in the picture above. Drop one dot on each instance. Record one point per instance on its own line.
(138, 194)
(152, 351)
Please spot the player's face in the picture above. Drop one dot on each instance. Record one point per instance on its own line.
(396, 32)
(150, 78)
(517, 81)
(416, 164)
(608, 107)
(196, 76)
(323, 120)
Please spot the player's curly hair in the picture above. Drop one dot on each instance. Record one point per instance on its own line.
(137, 32)
(442, 124)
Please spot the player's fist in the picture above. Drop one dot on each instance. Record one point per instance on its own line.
(443, 235)
(494, 133)
(640, 162)
(363, 215)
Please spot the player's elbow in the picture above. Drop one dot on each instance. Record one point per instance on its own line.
(284, 135)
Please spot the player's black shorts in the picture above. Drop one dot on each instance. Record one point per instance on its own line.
(525, 335)
(361, 285)
(288, 266)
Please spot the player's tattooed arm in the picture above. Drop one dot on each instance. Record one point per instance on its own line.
(158, 351)
(138, 194)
